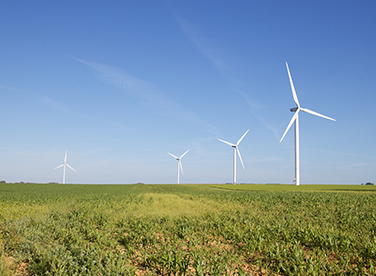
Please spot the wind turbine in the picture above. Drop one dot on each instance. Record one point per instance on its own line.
(180, 167)
(295, 119)
(65, 165)
(236, 149)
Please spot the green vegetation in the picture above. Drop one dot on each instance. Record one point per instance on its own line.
(283, 187)
(50, 229)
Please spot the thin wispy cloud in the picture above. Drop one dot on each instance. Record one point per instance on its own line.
(41, 99)
(211, 52)
(11, 88)
(203, 45)
(251, 102)
(140, 89)
(270, 127)
(255, 105)
(59, 107)
(56, 106)
(146, 94)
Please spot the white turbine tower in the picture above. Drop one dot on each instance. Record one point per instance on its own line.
(65, 165)
(236, 149)
(180, 166)
(295, 119)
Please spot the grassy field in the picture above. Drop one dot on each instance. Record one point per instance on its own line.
(284, 187)
(50, 229)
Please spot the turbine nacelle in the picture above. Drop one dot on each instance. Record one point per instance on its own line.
(64, 165)
(236, 150)
(295, 119)
(180, 166)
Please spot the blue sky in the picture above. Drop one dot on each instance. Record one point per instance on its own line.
(121, 83)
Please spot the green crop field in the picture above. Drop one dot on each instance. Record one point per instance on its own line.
(280, 187)
(51, 229)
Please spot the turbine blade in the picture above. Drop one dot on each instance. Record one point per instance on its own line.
(292, 87)
(181, 167)
(242, 138)
(228, 143)
(65, 158)
(173, 155)
(317, 114)
(288, 127)
(240, 157)
(183, 154)
(71, 168)
(59, 166)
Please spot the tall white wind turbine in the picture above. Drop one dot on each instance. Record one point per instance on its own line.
(65, 164)
(295, 119)
(180, 166)
(236, 149)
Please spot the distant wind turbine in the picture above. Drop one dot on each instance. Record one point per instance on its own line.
(295, 119)
(236, 149)
(180, 166)
(65, 165)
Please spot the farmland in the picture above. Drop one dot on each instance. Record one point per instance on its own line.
(50, 229)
